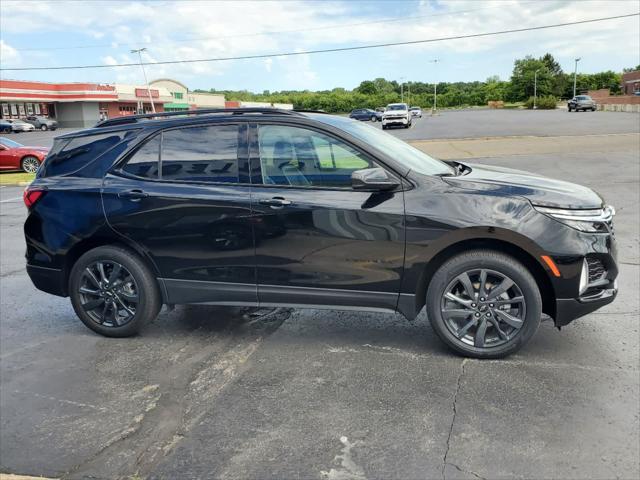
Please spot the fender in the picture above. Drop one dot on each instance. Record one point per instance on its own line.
(421, 261)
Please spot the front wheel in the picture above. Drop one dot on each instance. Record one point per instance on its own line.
(113, 292)
(484, 304)
(373, 118)
(30, 164)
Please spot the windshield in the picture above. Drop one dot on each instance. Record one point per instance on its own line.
(10, 143)
(397, 106)
(400, 151)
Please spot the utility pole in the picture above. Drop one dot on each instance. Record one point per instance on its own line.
(575, 76)
(409, 93)
(535, 88)
(144, 74)
(401, 89)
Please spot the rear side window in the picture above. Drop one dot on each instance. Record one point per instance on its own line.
(70, 155)
(201, 153)
(144, 163)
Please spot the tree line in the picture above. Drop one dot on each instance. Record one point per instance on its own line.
(552, 82)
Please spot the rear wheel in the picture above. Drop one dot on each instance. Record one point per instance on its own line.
(373, 118)
(30, 164)
(484, 304)
(113, 292)
(44, 127)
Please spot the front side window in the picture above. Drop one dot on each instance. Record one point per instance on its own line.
(305, 158)
(208, 153)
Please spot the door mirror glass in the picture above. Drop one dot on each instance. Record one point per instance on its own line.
(373, 179)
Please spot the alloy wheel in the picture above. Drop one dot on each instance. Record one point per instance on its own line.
(483, 308)
(30, 164)
(108, 293)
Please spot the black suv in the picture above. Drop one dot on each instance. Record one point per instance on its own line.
(281, 208)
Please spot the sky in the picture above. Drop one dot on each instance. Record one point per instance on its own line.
(56, 33)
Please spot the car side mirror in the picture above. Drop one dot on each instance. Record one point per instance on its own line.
(373, 179)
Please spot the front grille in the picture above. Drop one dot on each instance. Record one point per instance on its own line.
(596, 269)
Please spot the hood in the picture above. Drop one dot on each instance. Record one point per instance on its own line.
(537, 189)
(396, 112)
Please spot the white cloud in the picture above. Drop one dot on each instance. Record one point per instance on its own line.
(8, 55)
(191, 30)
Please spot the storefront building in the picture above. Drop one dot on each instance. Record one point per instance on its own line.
(80, 105)
(183, 99)
(134, 99)
(71, 104)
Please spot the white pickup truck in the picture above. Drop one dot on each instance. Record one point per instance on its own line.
(396, 114)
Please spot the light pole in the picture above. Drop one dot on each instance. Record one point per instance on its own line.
(435, 89)
(535, 87)
(401, 89)
(144, 74)
(409, 93)
(575, 75)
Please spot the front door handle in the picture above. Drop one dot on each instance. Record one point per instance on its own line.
(133, 195)
(275, 202)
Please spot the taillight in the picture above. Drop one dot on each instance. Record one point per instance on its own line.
(31, 196)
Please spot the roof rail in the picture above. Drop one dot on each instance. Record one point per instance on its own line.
(205, 111)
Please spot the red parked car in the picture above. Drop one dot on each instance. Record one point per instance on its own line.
(15, 156)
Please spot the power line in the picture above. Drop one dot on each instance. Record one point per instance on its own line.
(327, 50)
(268, 33)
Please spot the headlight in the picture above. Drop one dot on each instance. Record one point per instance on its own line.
(592, 220)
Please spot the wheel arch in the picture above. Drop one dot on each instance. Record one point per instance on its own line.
(518, 252)
(84, 245)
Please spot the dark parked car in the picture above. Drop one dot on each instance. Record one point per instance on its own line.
(581, 102)
(366, 115)
(280, 208)
(42, 123)
(5, 126)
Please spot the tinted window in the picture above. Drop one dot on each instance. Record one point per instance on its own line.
(400, 151)
(300, 157)
(70, 155)
(144, 163)
(201, 154)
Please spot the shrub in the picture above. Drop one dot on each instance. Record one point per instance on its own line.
(548, 102)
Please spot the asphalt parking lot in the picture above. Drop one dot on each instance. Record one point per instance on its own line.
(229, 393)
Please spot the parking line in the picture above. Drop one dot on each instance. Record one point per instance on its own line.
(10, 200)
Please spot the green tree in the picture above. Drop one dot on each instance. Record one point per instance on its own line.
(523, 76)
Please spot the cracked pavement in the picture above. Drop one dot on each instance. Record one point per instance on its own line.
(231, 393)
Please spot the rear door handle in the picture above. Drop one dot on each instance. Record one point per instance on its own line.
(133, 195)
(275, 202)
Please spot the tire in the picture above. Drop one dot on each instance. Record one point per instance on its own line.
(373, 118)
(134, 280)
(29, 164)
(44, 127)
(523, 315)
(384, 127)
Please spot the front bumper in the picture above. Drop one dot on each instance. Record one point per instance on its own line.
(395, 121)
(569, 309)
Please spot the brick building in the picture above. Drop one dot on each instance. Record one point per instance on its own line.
(630, 82)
